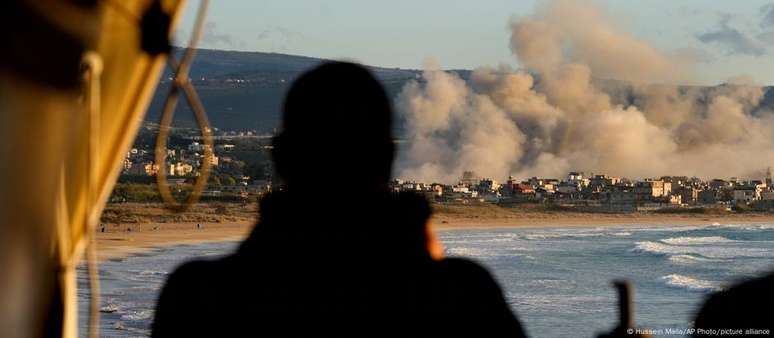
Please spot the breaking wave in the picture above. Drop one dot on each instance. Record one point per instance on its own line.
(696, 240)
(690, 283)
(136, 315)
(688, 259)
(723, 252)
(468, 252)
(542, 236)
(110, 308)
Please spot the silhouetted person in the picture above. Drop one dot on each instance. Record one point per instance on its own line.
(335, 253)
(747, 305)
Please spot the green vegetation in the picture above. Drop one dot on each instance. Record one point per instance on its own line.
(696, 210)
(742, 207)
(155, 213)
(148, 193)
(135, 192)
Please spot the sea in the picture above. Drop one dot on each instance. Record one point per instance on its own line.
(558, 280)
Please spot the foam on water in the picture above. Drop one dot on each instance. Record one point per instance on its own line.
(153, 273)
(662, 249)
(468, 252)
(690, 283)
(551, 283)
(110, 308)
(687, 228)
(689, 259)
(543, 236)
(578, 304)
(556, 279)
(484, 252)
(667, 228)
(754, 227)
(137, 315)
(695, 240)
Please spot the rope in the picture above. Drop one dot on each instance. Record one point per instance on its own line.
(181, 71)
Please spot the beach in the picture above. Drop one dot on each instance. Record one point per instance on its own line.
(122, 239)
(556, 278)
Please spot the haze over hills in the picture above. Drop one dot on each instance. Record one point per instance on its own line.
(244, 90)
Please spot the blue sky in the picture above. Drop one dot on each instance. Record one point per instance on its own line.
(729, 38)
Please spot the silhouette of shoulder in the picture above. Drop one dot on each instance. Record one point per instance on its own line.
(351, 261)
(744, 306)
(478, 298)
(469, 275)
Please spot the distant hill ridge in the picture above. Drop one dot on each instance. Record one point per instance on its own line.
(244, 90)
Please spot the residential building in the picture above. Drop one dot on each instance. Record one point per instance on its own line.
(745, 194)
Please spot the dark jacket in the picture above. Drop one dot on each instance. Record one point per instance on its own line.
(745, 306)
(329, 267)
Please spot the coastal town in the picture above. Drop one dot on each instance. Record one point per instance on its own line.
(242, 171)
(240, 165)
(604, 193)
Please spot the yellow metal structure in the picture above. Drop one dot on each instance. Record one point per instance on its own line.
(61, 151)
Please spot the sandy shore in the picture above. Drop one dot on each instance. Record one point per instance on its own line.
(126, 239)
(120, 240)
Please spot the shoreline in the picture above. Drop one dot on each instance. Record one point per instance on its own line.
(129, 239)
(575, 219)
(122, 240)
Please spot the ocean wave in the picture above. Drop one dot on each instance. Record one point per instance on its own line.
(136, 315)
(487, 238)
(690, 283)
(760, 227)
(543, 236)
(722, 252)
(688, 259)
(561, 302)
(153, 273)
(110, 308)
(696, 240)
(667, 228)
(551, 283)
(654, 248)
(119, 325)
(485, 252)
(621, 234)
(745, 226)
(467, 252)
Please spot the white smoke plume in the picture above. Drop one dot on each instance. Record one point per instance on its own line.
(558, 115)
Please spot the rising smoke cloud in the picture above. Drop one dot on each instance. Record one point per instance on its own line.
(556, 115)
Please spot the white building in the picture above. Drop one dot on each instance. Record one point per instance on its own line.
(746, 194)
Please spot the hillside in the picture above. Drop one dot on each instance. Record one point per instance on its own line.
(244, 90)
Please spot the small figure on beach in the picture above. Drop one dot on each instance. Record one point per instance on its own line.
(333, 263)
(198, 226)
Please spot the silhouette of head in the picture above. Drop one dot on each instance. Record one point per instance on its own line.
(336, 130)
